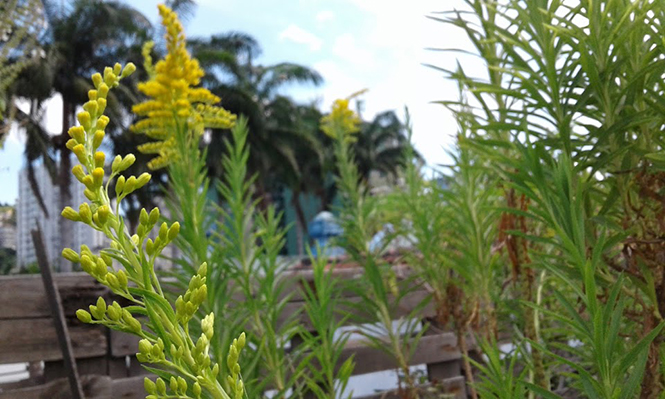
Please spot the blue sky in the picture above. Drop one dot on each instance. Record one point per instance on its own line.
(354, 44)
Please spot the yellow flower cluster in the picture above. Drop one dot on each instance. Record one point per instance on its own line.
(178, 112)
(341, 121)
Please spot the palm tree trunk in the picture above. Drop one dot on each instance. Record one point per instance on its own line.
(301, 222)
(64, 178)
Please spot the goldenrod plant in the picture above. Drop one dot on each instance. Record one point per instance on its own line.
(127, 267)
(380, 289)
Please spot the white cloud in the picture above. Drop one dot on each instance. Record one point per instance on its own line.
(347, 48)
(297, 34)
(325, 15)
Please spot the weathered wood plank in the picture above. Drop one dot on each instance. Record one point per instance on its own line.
(94, 387)
(24, 297)
(129, 388)
(35, 339)
(456, 387)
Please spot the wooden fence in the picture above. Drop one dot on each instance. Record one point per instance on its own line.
(105, 358)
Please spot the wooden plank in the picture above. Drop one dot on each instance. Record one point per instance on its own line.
(431, 349)
(94, 387)
(123, 344)
(24, 297)
(55, 369)
(35, 339)
(455, 387)
(129, 388)
(62, 332)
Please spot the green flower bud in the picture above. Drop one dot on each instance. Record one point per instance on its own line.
(89, 194)
(154, 215)
(78, 172)
(149, 386)
(215, 370)
(119, 186)
(161, 386)
(83, 316)
(143, 217)
(97, 80)
(85, 213)
(122, 279)
(69, 213)
(156, 352)
(135, 240)
(116, 163)
(87, 264)
(149, 247)
(201, 294)
(145, 347)
(101, 304)
(104, 212)
(242, 340)
(100, 268)
(97, 138)
(173, 384)
(70, 255)
(142, 180)
(112, 282)
(134, 325)
(163, 231)
(129, 69)
(173, 231)
(196, 390)
(113, 313)
(96, 312)
(127, 162)
(106, 258)
(129, 185)
(203, 269)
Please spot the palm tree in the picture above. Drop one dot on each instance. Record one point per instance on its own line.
(253, 90)
(82, 36)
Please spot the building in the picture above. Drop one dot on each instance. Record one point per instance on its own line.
(7, 227)
(29, 214)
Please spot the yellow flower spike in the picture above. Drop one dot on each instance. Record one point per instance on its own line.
(172, 92)
(84, 120)
(100, 158)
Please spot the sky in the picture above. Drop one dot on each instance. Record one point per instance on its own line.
(379, 45)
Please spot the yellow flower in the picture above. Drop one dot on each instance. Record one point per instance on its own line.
(177, 112)
(342, 121)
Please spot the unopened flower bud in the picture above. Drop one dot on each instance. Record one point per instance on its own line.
(102, 90)
(100, 268)
(84, 120)
(85, 213)
(127, 162)
(100, 158)
(78, 172)
(103, 212)
(79, 151)
(113, 313)
(101, 105)
(135, 240)
(112, 282)
(149, 247)
(101, 304)
(109, 77)
(143, 217)
(145, 347)
(182, 384)
(130, 184)
(77, 133)
(70, 214)
(102, 122)
(161, 386)
(163, 231)
(173, 231)
(173, 384)
(149, 386)
(90, 107)
(122, 278)
(96, 313)
(117, 69)
(92, 95)
(83, 316)
(70, 255)
(89, 194)
(70, 144)
(87, 264)
(119, 185)
(154, 215)
(129, 69)
(196, 390)
(97, 80)
(98, 176)
(97, 138)
(203, 269)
